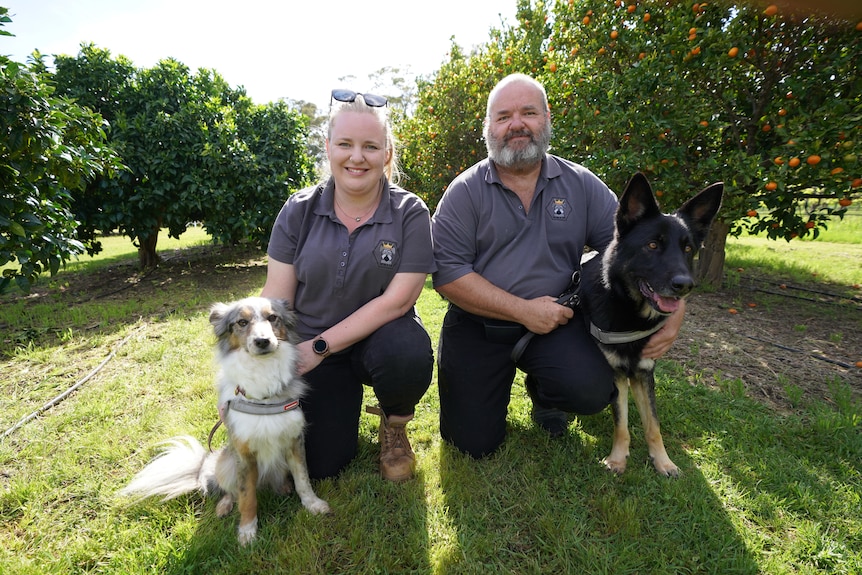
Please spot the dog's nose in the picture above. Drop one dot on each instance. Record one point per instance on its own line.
(261, 342)
(682, 284)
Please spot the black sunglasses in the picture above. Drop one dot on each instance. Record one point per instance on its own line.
(372, 100)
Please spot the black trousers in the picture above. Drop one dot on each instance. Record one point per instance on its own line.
(396, 360)
(565, 369)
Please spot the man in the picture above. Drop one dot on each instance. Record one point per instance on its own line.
(508, 233)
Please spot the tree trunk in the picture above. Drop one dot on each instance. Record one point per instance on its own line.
(147, 256)
(710, 264)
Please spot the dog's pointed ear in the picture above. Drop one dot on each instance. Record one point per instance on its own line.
(219, 319)
(700, 211)
(636, 203)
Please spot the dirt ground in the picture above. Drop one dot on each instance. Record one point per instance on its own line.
(785, 343)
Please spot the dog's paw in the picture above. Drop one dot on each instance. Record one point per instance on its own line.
(618, 466)
(224, 506)
(317, 506)
(666, 467)
(247, 533)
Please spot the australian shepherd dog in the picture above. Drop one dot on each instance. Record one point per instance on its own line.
(258, 394)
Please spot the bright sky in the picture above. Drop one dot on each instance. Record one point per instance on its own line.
(295, 49)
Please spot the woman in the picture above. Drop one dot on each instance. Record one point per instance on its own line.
(351, 255)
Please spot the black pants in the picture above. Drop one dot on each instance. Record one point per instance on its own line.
(396, 361)
(565, 367)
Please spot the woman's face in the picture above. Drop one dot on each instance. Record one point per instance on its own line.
(357, 152)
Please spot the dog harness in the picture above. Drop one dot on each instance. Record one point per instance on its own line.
(618, 337)
(253, 407)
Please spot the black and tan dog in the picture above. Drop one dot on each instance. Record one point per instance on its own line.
(628, 294)
(259, 395)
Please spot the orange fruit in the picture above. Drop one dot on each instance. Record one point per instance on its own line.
(778, 161)
(733, 311)
(771, 186)
(704, 123)
(856, 183)
(794, 162)
(631, 8)
(813, 160)
(766, 127)
(836, 171)
(858, 363)
(733, 52)
(602, 51)
(552, 67)
(586, 20)
(642, 55)
(782, 112)
(614, 34)
(752, 213)
(646, 17)
(844, 202)
(752, 304)
(859, 29)
(771, 10)
(810, 225)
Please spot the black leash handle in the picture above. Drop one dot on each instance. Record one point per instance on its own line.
(570, 298)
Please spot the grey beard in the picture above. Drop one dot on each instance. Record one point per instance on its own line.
(528, 156)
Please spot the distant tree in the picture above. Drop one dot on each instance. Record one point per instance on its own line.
(50, 148)
(195, 149)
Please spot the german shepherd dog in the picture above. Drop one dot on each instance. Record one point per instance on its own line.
(258, 393)
(628, 294)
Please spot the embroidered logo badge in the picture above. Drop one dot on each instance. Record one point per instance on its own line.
(559, 208)
(386, 252)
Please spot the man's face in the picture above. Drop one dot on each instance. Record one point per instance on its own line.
(518, 130)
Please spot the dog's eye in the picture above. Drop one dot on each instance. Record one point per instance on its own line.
(688, 249)
(242, 322)
(653, 245)
(272, 318)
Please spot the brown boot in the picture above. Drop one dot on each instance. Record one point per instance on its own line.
(396, 457)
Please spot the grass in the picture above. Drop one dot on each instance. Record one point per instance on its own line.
(760, 492)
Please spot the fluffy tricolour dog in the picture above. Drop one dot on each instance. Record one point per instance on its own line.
(629, 292)
(258, 393)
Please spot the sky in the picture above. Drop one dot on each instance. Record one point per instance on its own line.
(297, 49)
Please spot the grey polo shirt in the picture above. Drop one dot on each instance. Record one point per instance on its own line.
(481, 226)
(339, 273)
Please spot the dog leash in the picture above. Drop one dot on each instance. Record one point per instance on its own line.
(570, 298)
(254, 408)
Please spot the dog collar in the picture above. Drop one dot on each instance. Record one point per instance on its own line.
(618, 337)
(256, 408)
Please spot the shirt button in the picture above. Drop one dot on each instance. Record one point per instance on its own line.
(344, 254)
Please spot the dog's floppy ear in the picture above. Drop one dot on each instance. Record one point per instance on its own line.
(219, 318)
(700, 211)
(636, 203)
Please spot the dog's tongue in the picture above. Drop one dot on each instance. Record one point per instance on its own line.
(667, 304)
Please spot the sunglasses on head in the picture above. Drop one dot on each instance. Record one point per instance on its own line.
(372, 100)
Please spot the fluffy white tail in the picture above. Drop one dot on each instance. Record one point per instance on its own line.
(184, 466)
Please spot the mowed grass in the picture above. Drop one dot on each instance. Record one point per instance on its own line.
(760, 492)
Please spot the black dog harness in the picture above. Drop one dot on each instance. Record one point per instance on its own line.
(253, 407)
(618, 337)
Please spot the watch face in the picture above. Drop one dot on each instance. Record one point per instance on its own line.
(320, 346)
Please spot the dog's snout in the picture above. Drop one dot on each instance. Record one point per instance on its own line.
(262, 343)
(682, 284)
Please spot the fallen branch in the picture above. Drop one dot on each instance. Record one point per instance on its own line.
(794, 350)
(69, 391)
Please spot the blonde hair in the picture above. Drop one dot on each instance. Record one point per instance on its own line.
(391, 169)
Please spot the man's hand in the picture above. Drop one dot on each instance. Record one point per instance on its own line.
(544, 315)
(662, 340)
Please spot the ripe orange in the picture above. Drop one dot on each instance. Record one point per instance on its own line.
(771, 10)
(778, 161)
(631, 8)
(794, 162)
(766, 127)
(552, 67)
(813, 160)
(642, 55)
(856, 183)
(646, 17)
(614, 34)
(752, 213)
(733, 52)
(836, 171)
(844, 202)
(810, 225)
(704, 123)
(782, 112)
(752, 304)
(771, 186)
(859, 29)
(586, 20)
(733, 311)
(858, 363)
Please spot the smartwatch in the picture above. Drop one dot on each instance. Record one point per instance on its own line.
(320, 346)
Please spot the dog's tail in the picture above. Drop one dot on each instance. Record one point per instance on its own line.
(184, 466)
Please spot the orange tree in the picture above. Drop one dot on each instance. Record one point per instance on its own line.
(762, 98)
